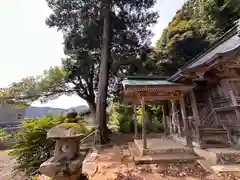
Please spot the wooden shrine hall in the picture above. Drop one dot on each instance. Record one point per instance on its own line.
(149, 90)
(201, 101)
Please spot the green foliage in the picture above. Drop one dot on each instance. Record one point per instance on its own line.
(31, 148)
(82, 23)
(193, 29)
(50, 85)
(123, 117)
(219, 14)
(80, 127)
(154, 118)
(2, 135)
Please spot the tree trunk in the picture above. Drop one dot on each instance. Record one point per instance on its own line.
(103, 76)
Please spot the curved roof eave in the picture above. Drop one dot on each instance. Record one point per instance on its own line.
(224, 45)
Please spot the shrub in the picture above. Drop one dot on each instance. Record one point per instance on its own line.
(122, 117)
(2, 135)
(31, 147)
(154, 119)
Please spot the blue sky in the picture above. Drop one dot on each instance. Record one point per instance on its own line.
(28, 46)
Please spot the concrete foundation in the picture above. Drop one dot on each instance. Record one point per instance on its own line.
(160, 150)
(160, 145)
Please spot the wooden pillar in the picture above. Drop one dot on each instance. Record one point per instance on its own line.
(143, 124)
(186, 123)
(195, 115)
(170, 118)
(175, 119)
(165, 121)
(135, 122)
(235, 104)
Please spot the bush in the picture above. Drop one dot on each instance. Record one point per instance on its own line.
(122, 117)
(2, 135)
(31, 147)
(154, 119)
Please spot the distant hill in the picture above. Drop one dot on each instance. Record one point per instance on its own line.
(33, 112)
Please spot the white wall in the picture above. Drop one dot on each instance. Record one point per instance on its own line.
(9, 114)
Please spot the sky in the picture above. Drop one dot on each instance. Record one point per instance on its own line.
(28, 46)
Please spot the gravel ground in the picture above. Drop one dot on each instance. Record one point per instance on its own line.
(6, 167)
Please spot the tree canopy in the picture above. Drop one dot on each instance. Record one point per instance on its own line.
(193, 29)
(82, 24)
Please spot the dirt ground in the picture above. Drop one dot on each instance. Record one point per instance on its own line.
(114, 162)
(114, 165)
(6, 167)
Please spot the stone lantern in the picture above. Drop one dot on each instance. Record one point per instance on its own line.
(71, 116)
(66, 163)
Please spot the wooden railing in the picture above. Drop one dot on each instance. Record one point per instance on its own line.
(205, 114)
(91, 140)
(219, 103)
(205, 109)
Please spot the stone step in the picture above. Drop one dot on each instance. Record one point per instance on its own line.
(206, 146)
(162, 157)
(161, 146)
(219, 155)
(164, 151)
(226, 168)
(89, 165)
(206, 165)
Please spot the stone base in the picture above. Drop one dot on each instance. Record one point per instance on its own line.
(160, 145)
(72, 177)
(89, 166)
(161, 157)
(233, 168)
(56, 170)
(183, 141)
(219, 155)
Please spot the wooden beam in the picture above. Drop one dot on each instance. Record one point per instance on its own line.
(195, 115)
(144, 124)
(157, 88)
(161, 98)
(135, 122)
(186, 124)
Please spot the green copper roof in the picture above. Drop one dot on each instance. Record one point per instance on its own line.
(145, 82)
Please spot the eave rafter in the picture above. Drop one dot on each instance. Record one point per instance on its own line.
(152, 95)
(221, 69)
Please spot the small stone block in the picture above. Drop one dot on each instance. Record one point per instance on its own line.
(126, 152)
(226, 168)
(205, 165)
(89, 168)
